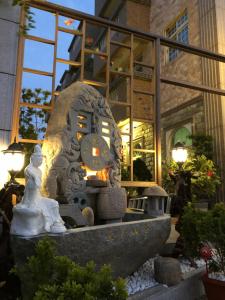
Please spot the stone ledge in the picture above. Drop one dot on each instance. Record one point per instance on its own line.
(125, 246)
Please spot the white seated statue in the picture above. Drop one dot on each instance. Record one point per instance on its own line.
(36, 214)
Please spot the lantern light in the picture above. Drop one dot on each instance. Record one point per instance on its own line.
(179, 153)
(14, 159)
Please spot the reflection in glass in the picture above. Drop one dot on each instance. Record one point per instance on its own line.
(42, 18)
(121, 115)
(33, 123)
(95, 68)
(119, 88)
(125, 161)
(143, 166)
(143, 50)
(69, 23)
(69, 46)
(96, 37)
(120, 59)
(143, 135)
(65, 75)
(38, 56)
(120, 37)
(143, 106)
(39, 85)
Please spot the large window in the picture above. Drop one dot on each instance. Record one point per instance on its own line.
(118, 63)
(177, 31)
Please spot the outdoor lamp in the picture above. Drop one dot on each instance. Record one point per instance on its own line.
(14, 159)
(179, 153)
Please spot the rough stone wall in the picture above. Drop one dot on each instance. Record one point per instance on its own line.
(185, 67)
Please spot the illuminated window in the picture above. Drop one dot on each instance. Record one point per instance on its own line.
(178, 31)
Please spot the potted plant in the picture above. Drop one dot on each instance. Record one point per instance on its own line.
(203, 233)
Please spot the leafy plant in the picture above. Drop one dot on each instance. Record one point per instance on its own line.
(32, 121)
(204, 174)
(24, 4)
(48, 276)
(205, 228)
(202, 145)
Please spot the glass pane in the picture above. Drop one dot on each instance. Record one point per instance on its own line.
(143, 166)
(119, 88)
(70, 23)
(143, 107)
(119, 59)
(143, 51)
(143, 135)
(95, 68)
(125, 161)
(42, 18)
(143, 84)
(35, 96)
(33, 123)
(69, 46)
(65, 75)
(121, 37)
(95, 38)
(101, 90)
(121, 115)
(38, 56)
(36, 88)
(143, 72)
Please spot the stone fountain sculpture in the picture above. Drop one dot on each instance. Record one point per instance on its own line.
(81, 135)
(35, 214)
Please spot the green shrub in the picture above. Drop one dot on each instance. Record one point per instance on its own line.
(190, 231)
(48, 276)
(205, 228)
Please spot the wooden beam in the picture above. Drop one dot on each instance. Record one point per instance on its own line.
(71, 31)
(193, 86)
(37, 72)
(39, 39)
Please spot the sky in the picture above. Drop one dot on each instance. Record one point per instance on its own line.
(38, 55)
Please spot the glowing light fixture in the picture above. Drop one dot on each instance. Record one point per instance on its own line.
(179, 153)
(14, 159)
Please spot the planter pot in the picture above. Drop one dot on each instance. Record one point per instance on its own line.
(215, 289)
(111, 204)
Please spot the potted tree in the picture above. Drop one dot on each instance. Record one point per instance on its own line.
(204, 235)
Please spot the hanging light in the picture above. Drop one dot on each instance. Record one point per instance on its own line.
(14, 159)
(179, 153)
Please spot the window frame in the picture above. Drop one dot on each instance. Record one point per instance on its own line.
(174, 36)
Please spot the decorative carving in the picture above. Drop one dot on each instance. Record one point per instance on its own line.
(95, 152)
(80, 110)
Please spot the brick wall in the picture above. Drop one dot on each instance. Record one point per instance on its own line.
(185, 67)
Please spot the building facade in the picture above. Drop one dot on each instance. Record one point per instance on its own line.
(126, 76)
(186, 111)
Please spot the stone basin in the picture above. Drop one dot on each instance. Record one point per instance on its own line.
(125, 246)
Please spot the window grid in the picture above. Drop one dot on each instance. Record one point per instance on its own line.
(81, 33)
(178, 31)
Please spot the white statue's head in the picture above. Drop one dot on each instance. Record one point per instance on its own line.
(37, 157)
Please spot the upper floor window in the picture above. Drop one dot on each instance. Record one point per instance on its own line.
(178, 31)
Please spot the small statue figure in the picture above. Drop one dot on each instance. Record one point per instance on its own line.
(36, 214)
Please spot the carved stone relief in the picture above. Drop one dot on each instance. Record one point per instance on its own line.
(80, 110)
